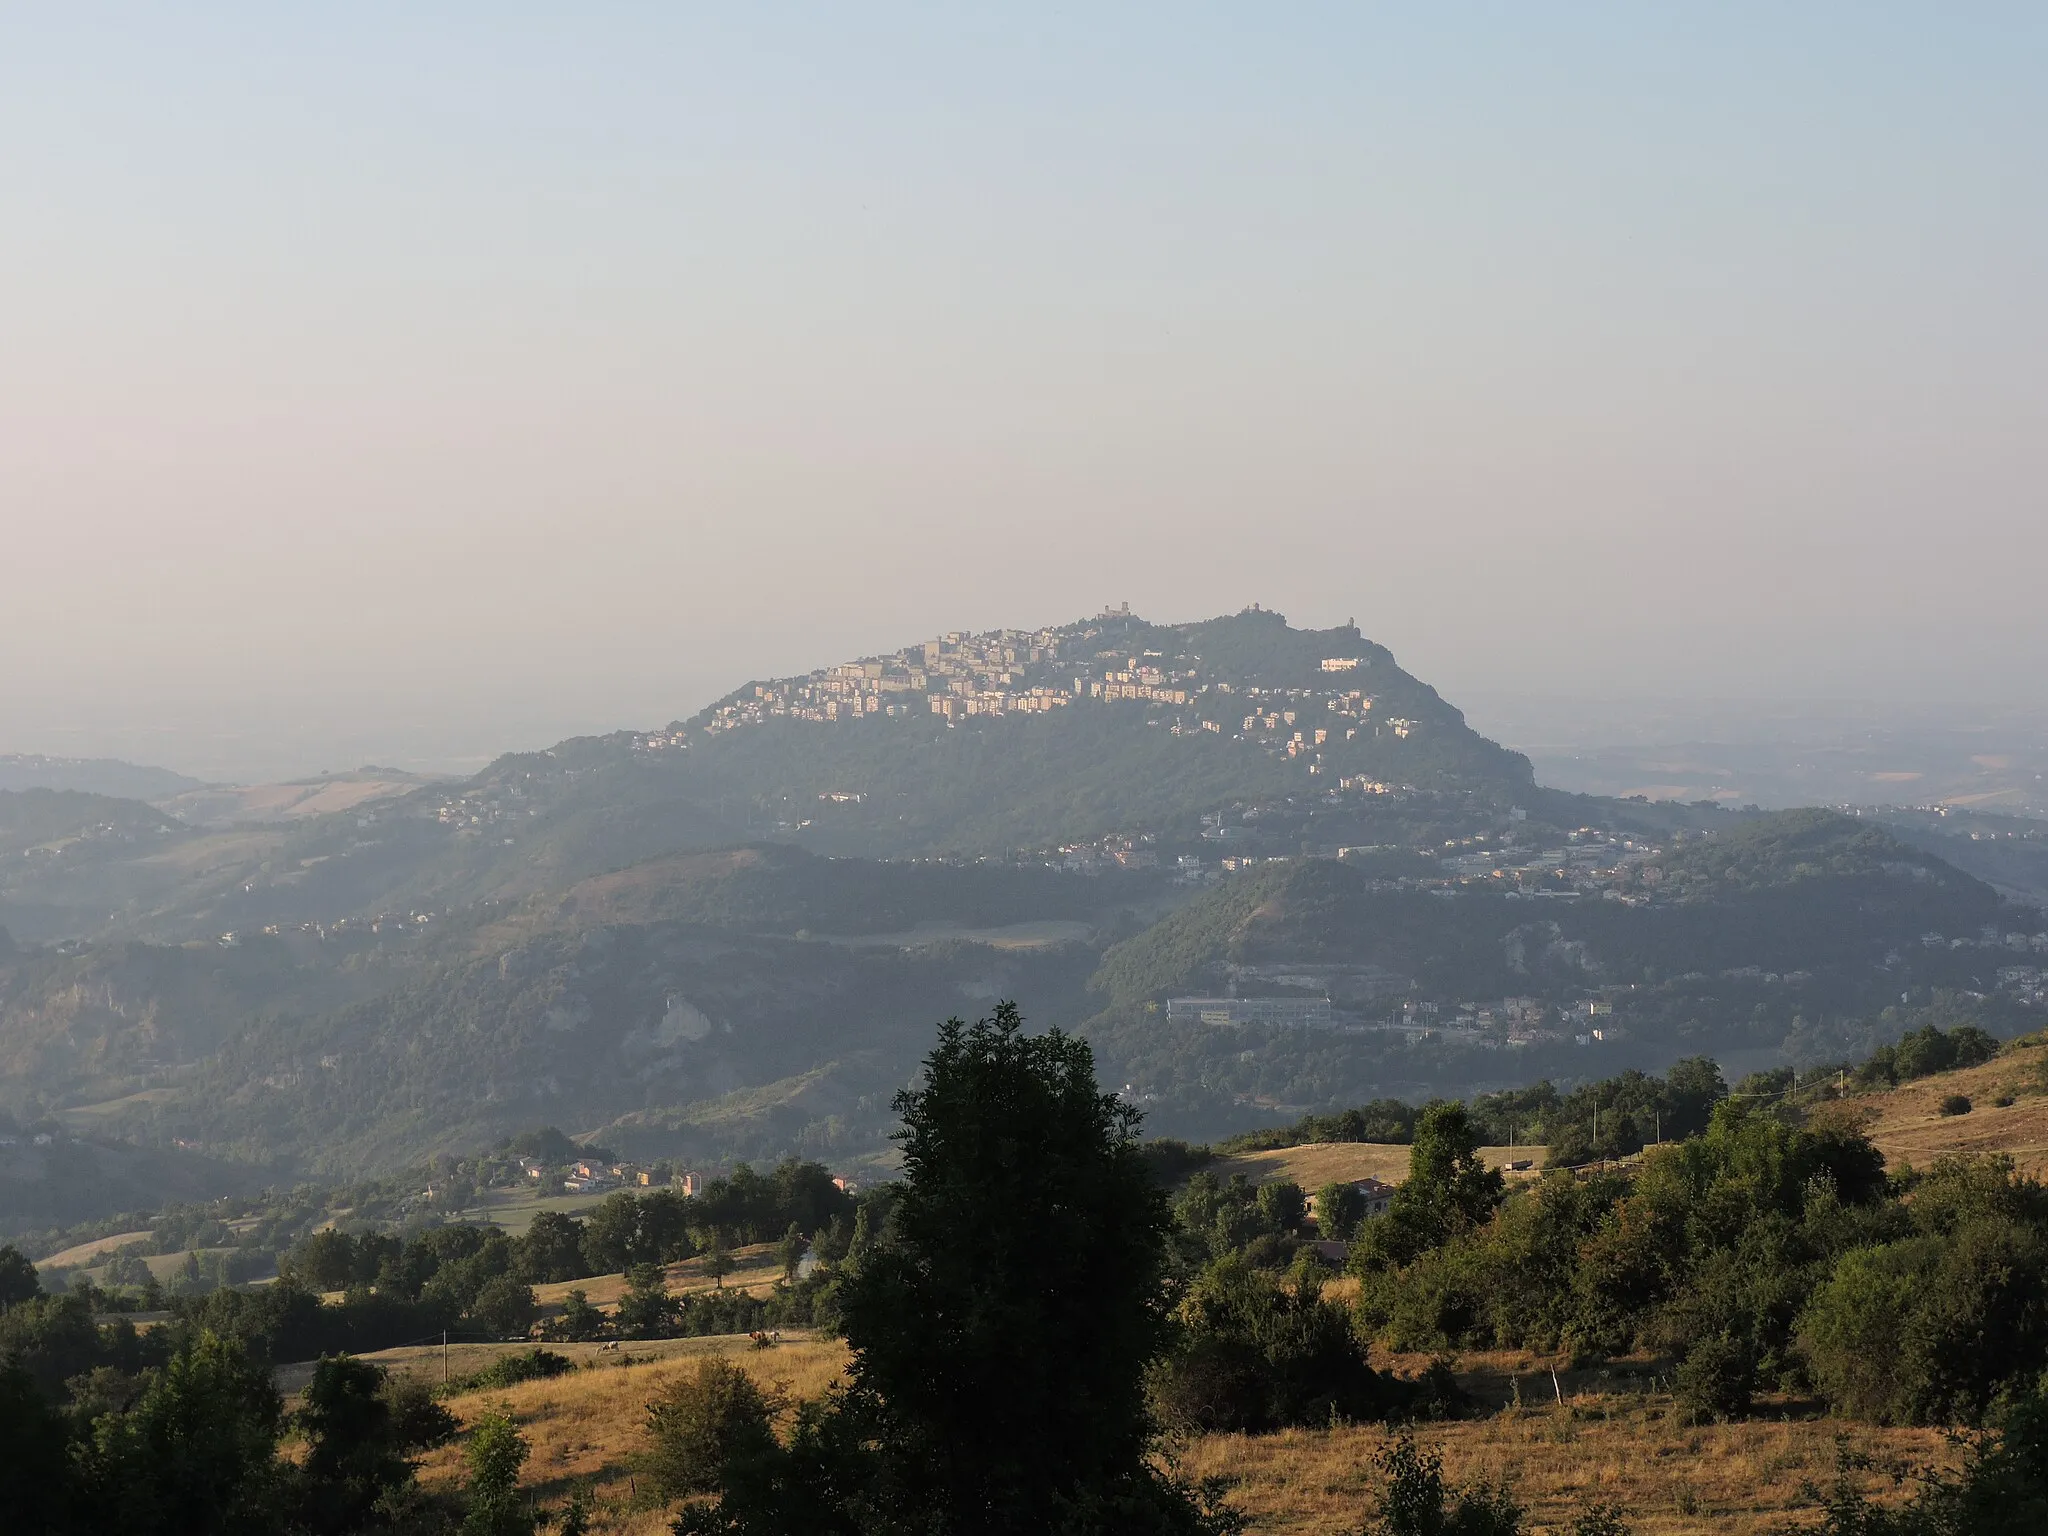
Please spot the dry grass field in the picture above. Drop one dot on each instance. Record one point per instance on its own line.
(586, 1427)
(1609, 1442)
(755, 1270)
(1323, 1162)
(80, 1254)
(1906, 1125)
(1629, 1451)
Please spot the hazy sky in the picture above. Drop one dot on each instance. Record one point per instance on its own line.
(386, 385)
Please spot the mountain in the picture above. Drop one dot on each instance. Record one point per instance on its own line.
(1013, 740)
(731, 936)
(962, 747)
(90, 775)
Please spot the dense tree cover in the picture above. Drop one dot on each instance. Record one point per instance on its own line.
(1449, 1191)
(190, 1446)
(1767, 1256)
(1253, 1353)
(454, 1265)
(1925, 1051)
(1606, 1119)
(1800, 847)
(1382, 1120)
(462, 1050)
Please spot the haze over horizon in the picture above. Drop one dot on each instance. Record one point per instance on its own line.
(395, 388)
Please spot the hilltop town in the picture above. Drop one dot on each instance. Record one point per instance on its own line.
(1110, 660)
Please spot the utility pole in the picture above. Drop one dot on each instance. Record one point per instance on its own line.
(444, 1357)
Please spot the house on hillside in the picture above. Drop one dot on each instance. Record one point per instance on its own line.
(1378, 1195)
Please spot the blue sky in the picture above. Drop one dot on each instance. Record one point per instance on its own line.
(451, 378)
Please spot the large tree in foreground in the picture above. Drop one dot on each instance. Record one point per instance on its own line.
(1001, 1324)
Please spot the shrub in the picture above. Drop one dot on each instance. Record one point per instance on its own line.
(530, 1365)
(1416, 1500)
(1256, 1355)
(1717, 1379)
(1956, 1104)
(703, 1428)
(496, 1453)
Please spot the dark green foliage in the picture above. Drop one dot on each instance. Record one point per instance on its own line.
(362, 1429)
(1028, 1247)
(1416, 1501)
(1255, 1355)
(1340, 1207)
(1956, 1104)
(495, 1454)
(706, 1429)
(18, 1278)
(647, 1311)
(1717, 1379)
(197, 1453)
(1448, 1190)
(1172, 1159)
(1282, 1206)
(505, 1306)
(629, 1229)
(530, 1365)
(1606, 1119)
(55, 1338)
(579, 1319)
(1594, 1262)
(1383, 1120)
(552, 1249)
(1001, 1323)
(1925, 1051)
(1214, 1220)
(1932, 1326)
(34, 1438)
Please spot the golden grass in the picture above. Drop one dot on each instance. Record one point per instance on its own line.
(1606, 1444)
(1904, 1123)
(1324, 1162)
(586, 1427)
(755, 1271)
(86, 1253)
(1625, 1450)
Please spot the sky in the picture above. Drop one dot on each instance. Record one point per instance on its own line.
(404, 384)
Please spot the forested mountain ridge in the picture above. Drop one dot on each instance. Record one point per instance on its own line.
(724, 938)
